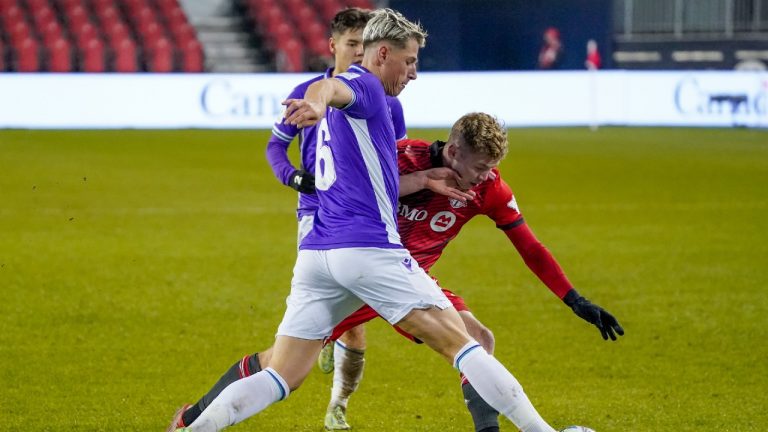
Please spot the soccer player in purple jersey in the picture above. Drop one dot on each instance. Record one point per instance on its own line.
(346, 44)
(353, 254)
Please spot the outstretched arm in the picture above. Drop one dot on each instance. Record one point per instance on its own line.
(544, 265)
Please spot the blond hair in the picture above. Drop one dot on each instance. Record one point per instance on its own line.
(480, 133)
(390, 25)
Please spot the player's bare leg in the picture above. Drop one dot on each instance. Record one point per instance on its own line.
(290, 363)
(349, 362)
(484, 416)
(444, 332)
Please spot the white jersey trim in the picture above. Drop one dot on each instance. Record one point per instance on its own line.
(280, 135)
(360, 129)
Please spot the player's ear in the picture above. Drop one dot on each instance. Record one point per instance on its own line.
(383, 52)
(332, 45)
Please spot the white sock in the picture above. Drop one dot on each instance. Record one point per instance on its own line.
(242, 399)
(499, 388)
(347, 373)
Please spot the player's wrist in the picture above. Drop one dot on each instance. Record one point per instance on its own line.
(572, 297)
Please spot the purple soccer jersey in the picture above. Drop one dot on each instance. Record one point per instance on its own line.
(283, 134)
(356, 173)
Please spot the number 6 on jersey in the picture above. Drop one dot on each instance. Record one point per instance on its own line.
(325, 172)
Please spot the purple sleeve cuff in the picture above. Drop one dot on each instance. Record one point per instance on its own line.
(277, 156)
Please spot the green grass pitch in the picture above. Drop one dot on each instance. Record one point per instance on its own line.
(136, 266)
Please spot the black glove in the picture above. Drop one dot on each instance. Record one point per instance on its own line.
(594, 314)
(302, 181)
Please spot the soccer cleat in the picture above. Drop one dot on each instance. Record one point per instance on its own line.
(336, 419)
(325, 359)
(577, 429)
(177, 424)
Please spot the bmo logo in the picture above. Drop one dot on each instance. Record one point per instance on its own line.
(442, 221)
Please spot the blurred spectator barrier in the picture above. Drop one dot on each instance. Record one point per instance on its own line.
(631, 98)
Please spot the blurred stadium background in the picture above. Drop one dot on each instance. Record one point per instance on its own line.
(138, 260)
(289, 35)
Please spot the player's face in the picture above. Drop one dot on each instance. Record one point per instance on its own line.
(399, 66)
(473, 168)
(347, 48)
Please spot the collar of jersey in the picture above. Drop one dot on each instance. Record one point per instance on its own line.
(436, 153)
(358, 68)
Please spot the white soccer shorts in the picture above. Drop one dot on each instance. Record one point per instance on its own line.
(328, 285)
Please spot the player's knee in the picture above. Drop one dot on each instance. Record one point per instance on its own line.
(485, 338)
(354, 338)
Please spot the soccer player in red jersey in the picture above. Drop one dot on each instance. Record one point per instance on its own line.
(427, 222)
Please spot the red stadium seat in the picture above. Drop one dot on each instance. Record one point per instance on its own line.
(69, 4)
(117, 32)
(93, 56)
(43, 15)
(76, 17)
(319, 47)
(28, 55)
(84, 33)
(307, 16)
(193, 57)
(126, 59)
(161, 56)
(176, 17)
(35, 5)
(362, 4)
(2, 56)
(7, 4)
(183, 33)
(294, 6)
(51, 32)
(102, 4)
(150, 32)
(313, 31)
(290, 56)
(60, 56)
(329, 8)
(107, 16)
(20, 31)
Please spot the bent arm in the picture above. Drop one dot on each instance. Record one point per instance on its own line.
(277, 156)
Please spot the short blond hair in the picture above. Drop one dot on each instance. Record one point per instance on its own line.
(480, 133)
(390, 25)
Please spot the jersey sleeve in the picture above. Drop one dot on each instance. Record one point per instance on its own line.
(408, 151)
(501, 206)
(285, 132)
(277, 146)
(398, 120)
(277, 156)
(368, 96)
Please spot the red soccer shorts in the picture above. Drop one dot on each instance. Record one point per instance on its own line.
(366, 313)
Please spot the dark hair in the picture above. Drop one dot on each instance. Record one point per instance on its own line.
(349, 19)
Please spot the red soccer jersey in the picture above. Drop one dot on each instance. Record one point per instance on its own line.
(428, 221)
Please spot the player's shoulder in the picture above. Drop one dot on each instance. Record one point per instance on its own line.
(393, 102)
(409, 144)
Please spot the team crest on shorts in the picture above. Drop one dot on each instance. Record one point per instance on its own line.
(457, 204)
(408, 263)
